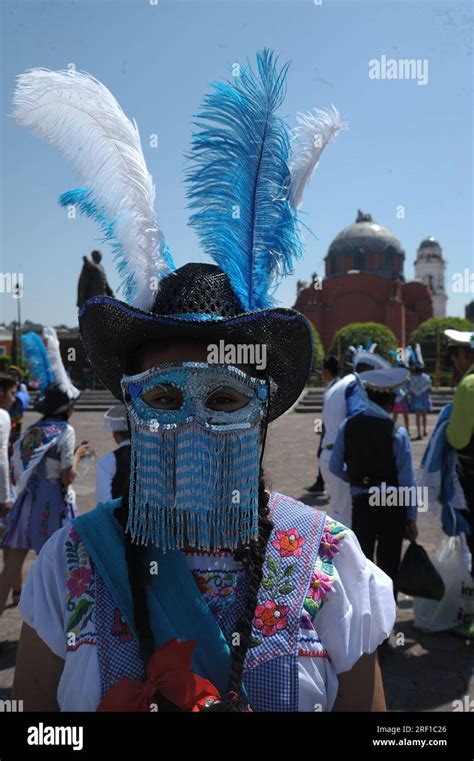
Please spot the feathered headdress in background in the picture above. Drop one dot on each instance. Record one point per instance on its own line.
(45, 363)
(57, 366)
(367, 356)
(37, 359)
(414, 356)
(245, 178)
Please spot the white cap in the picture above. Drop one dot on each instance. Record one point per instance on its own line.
(387, 380)
(115, 419)
(461, 337)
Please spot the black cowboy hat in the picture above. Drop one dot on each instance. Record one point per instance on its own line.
(197, 301)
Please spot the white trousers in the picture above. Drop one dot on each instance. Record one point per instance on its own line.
(341, 501)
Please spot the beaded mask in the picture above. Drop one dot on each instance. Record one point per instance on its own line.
(194, 470)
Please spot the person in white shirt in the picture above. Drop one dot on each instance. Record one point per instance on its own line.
(330, 376)
(335, 411)
(7, 397)
(112, 473)
(46, 462)
(8, 388)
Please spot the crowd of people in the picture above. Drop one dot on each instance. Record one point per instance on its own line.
(362, 451)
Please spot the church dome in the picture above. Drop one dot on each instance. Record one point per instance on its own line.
(365, 246)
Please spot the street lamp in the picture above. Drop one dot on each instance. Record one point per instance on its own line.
(18, 292)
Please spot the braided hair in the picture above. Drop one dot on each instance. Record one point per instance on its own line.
(252, 558)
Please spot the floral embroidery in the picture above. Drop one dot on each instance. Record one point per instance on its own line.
(278, 582)
(288, 543)
(218, 587)
(80, 587)
(270, 617)
(120, 628)
(78, 580)
(329, 546)
(319, 587)
(323, 575)
(276, 579)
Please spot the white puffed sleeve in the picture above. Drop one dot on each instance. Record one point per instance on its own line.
(66, 447)
(359, 612)
(5, 427)
(43, 600)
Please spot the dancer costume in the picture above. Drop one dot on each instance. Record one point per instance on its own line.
(402, 358)
(419, 385)
(319, 605)
(43, 504)
(370, 453)
(342, 400)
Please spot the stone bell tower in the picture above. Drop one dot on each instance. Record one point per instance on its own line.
(429, 269)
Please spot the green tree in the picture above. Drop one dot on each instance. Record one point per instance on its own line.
(362, 333)
(426, 335)
(5, 362)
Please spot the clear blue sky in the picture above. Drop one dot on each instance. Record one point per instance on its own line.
(407, 144)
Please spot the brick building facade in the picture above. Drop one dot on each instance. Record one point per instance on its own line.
(364, 282)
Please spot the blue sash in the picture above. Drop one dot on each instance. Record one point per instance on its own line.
(175, 604)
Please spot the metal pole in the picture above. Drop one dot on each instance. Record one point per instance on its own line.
(437, 377)
(20, 348)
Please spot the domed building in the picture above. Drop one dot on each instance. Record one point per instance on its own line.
(364, 282)
(365, 246)
(429, 269)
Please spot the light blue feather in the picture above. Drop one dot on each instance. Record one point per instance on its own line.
(412, 358)
(83, 199)
(238, 183)
(37, 358)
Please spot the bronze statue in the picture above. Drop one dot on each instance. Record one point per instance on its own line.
(92, 280)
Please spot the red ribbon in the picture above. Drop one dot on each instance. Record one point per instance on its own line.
(169, 671)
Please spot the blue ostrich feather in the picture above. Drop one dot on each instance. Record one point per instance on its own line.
(238, 183)
(83, 199)
(413, 359)
(37, 358)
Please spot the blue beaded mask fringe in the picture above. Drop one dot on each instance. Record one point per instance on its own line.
(194, 472)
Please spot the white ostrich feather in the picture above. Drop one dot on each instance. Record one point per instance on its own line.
(81, 117)
(54, 355)
(308, 140)
(419, 355)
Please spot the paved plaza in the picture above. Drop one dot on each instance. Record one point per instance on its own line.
(427, 673)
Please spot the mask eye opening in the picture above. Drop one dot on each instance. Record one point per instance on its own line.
(165, 396)
(235, 400)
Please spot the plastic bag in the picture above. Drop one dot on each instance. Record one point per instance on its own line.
(417, 575)
(457, 602)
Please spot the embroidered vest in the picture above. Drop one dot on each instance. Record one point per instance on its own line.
(297, 577)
